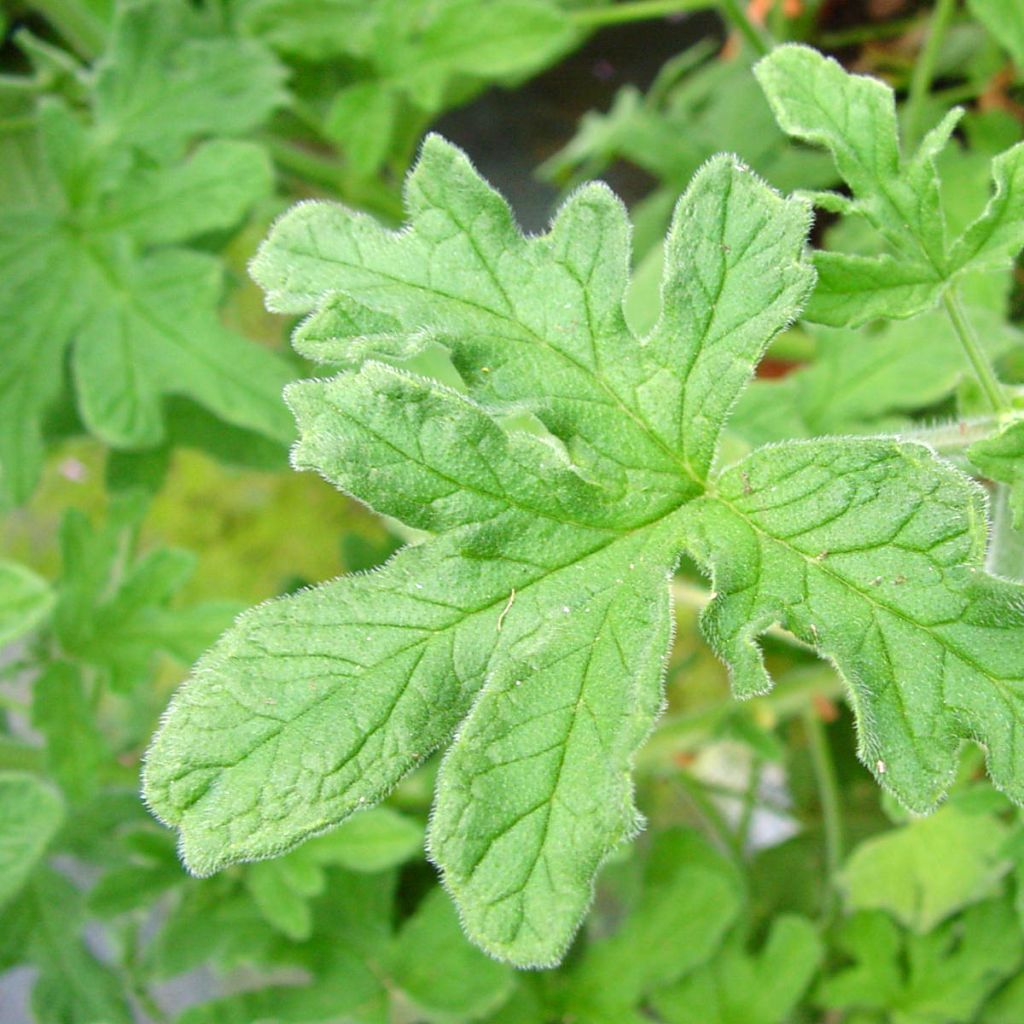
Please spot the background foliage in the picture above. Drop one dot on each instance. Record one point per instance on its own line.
(145, 146)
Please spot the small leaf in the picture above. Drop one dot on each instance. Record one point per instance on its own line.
(30, 814)
(25, 601)
(899, 871)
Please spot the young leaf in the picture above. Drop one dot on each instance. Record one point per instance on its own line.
(541, 610)
(854, 117)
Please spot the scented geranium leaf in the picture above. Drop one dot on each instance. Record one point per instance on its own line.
(1001, 457)
(30, 814)
(872, 550)
(167, 78)
(218, 184)
(941, 977)
(151, 330)
(854, 117)
(375, 840)
(25, 600)
(898, 870)
(738, 987)
(537, 619)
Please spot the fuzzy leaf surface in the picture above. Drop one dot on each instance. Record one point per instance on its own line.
(536, 619)
(872, 550)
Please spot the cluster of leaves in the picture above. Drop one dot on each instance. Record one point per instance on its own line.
(572, 447)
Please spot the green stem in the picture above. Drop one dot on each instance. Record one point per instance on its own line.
(972, 349)
(828, 797)
(924, 69)
(745, 27)
(750, 802)
(865, 33)
(713, 817)
(637, 10)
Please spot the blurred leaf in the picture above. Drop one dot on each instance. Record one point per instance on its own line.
(30, 814)
(737, 987)
(434, 963)
(25, 600)
(375, 840)
(930, 868)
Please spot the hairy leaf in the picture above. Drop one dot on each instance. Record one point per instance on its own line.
(526, 634)
(539, 614)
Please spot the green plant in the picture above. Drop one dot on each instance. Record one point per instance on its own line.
(586, 461)
(534, 627)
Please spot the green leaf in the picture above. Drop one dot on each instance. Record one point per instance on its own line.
(166, 78)
(76, 750)
(1004, 21)
(376, 840)
(690, 896)
(30, 814)
(1001, 457)
(434, 964)
(527, 634)
(540, 613)
(25, 601)
(114, 609)
(941, 977)
(899, 871)
(854, 117)
(85, 265)
(872, 550)
(737, 987)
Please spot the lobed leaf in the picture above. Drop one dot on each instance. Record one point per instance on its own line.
(537, 621)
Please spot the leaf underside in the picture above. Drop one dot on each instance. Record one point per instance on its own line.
(527, 635)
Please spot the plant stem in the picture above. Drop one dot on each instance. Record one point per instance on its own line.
(972, 348)
(713, 817)
(745, 27)
(828, 796)
(1006, 544)
(924, 68)
(636, 10)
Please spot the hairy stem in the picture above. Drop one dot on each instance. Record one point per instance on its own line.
(972, 349)
(828, 797)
